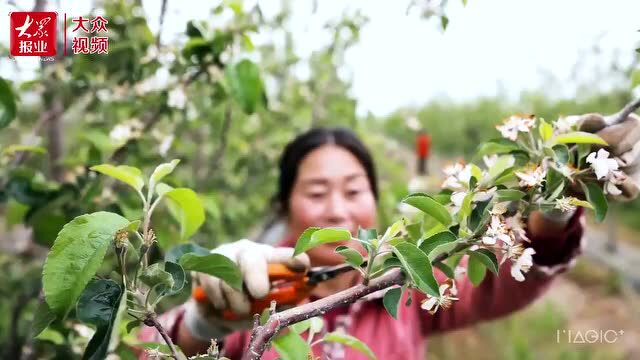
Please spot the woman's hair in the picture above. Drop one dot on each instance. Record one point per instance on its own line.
(306, 142)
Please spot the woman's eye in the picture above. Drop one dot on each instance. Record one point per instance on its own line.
(352, 193)
(315, 195)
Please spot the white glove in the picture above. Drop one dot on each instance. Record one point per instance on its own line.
(204, 321)
(624, 143)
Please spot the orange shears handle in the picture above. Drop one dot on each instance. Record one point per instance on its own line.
(288, 287)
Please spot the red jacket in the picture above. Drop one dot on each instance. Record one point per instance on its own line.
(405, 338)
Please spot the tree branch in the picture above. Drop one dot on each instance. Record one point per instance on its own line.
(149, 119)
(263, 335)
(151, 320)
(226, 125)
(163, 11)
(625, 112)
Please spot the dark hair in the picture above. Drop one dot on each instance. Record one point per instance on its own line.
(308, 141)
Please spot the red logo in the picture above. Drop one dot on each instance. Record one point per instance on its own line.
(33, 33)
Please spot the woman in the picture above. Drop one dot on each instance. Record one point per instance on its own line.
(327, 178)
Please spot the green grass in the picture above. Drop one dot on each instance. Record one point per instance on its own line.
(527, 335)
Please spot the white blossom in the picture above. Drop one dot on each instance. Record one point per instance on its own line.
(515, 124)
(458, 176)
(531, 177)
(511, 251)
(177, 98)
(497, 231)
(490, 160)
(517, 227)
(128, 130)
(602, 164)
(165, 145)
(484, 195)
(607, 168)
(565, 124)
(446, 298)
(522, 264)
(457, 198)
(564, 204)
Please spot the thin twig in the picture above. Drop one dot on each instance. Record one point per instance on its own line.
(163, 11)
(149, 119)
(219, 153)
(151, 320)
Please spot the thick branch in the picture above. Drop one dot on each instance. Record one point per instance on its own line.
(262, 335)
(625, 112)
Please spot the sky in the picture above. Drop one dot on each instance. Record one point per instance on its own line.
(491, 47)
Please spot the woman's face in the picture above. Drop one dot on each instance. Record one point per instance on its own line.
(331, 190)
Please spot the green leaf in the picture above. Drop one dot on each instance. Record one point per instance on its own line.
(52, 336)
(415, 231)
(161, 171)
(561, 152)
(545, 129)
(215, 265)
(509, 195)
(578, 202)
(99, 305)
(487, 258)
(42, 317)
(314, 325)
(495, 146)
(366, 237)
(127, 174)
(502, 163)
(133, 226)
(429, 206)
(476, 270)
(191, 210)
(430, 243)
(245, 85)
(445, 269)
(579, 137)
(12, 149)
(444, 21)
(314, 236)
(596, 197)
(418, 266)
(154, 274)
(465, 208)
(392, 231)
(132, 325)
(348, 340)
(391, 300)
(175, 253)
(98, 302)
(15, 212)
(179, 279)
(162, 188)
(291, 346)
(441, 249)
(75, 257)
(8, 107)
(351, 256)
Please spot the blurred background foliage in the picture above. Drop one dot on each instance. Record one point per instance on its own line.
(223, 105)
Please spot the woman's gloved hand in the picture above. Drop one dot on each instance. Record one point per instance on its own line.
(204, 320)
(624, 144)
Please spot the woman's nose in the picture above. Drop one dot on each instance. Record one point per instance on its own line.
(337, 210)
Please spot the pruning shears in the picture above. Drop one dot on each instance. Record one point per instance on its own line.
(288, 287)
